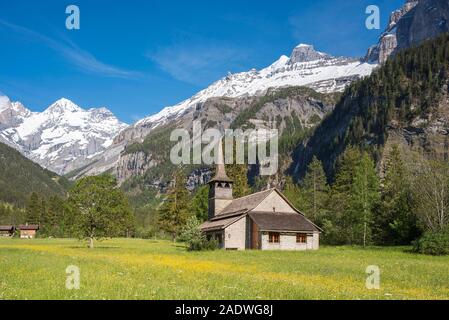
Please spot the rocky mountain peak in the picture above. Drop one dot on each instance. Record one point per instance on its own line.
(62, 138)
(305, 53)
(4, 103)
(12, 113)
(415, 22)
(63, 105)
(20, 109)
(15, 107)
(102, 113)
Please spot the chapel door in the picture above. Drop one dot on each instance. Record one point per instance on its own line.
(255, 236)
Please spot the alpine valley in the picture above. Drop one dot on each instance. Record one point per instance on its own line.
(299, 89)
(294, 94)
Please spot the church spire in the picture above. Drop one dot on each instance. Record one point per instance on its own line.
(220, 171)
(220, 187)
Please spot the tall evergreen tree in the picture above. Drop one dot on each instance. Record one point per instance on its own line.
(199, 205)
(239, 174)
(396, 223)
(52, 222)
(33, 210)
(173, 213)
(340, 222)
(365, 198)
(315, 192)
(293, 193)
(354, 197)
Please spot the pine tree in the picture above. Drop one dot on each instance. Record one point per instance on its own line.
(315, 191)
(293, 194)
(199, 205)
(396, 223)
(52, 218)
(365, 197)
(354, 197)
(239, 174)
(173, 213)
(340, 223)
(33, 209)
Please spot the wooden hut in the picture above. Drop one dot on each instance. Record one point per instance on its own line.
(28, 231)
(7, 231)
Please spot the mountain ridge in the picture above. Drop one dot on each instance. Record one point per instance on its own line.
(61, 138)
(306, 67)
(405, 102)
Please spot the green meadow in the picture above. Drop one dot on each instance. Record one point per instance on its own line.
(146, 269)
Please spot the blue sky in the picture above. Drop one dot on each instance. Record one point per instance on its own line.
(136, 57)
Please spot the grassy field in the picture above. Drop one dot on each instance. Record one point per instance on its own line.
(145, 269)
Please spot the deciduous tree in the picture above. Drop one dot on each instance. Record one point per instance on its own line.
(100, 208)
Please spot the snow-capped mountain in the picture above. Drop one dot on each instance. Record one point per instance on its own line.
(305, 67)
(12, 113)
(62, 138)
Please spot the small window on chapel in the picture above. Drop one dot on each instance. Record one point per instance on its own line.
(274, 237)
(301, 238)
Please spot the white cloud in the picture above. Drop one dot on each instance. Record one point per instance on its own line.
(198, 62)
(82, 59)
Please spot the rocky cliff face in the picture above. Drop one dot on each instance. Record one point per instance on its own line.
(427, 20)
(427, 136)
(279, 108)
(12, 114)
(388, 40)
(133, 164)
(415, 22)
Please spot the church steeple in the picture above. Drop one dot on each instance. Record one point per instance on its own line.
(220, 171)
(220, 187)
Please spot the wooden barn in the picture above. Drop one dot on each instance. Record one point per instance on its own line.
(7, 231)
(28, 231)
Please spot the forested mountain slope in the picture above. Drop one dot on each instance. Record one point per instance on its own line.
(295, 111)
(19, 177)
(406, 100)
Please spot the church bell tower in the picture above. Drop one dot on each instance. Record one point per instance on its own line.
(220, 187)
